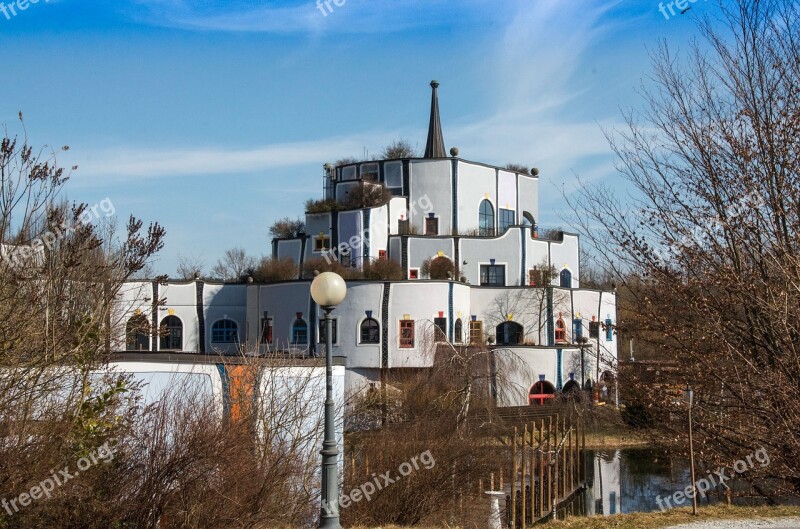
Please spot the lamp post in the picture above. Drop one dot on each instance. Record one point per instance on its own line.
(688, 397)
(328, 290)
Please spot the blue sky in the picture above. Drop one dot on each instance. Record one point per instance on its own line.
(214, 118)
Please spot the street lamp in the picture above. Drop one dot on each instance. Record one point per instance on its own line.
(688, 397)
(328, 290)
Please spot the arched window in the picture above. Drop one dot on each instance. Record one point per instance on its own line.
(370, 331)
(137, 334)
(509, 333)
(459, 331)
(171, 332)
(541, 392)
(224, 331)
(561, 331)
(299, 332)
(566, 278)
(486, 219)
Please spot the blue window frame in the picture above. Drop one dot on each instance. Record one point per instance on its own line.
(299, 333)
(577, 329)
(370, 331)
(566, 278)
(609, 330)
(486, 219)
(507, 218)
(224, 331)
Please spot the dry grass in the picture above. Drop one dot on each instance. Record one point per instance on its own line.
(659, 519)
(625, 439)
(675, 517)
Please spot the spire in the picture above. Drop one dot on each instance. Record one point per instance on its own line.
(435, 146)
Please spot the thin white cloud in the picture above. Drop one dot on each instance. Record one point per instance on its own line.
(353, 16)
(136, 163)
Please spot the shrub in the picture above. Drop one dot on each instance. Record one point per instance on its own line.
(269, 270)
(323, 206)
(399, 149)
(287, 228)
(321, 264)
(439, 268)
(383, 270)
(367, 195)
(517, 168)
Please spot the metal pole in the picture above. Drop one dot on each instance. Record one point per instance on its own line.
(329, 512)
(691, 464)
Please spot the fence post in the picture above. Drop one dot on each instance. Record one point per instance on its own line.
(514, 479)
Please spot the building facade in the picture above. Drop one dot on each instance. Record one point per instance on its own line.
(474, 271)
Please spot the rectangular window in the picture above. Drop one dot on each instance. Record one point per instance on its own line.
(382, 255)
(493, 275)
(322, 330)
(393, 174)
(403, 227)
(594, 329)
(609, 331)
(406, 334)
(349, 172)
(413, 273)
(440, 325)
(476, 332)
(431, 226)
(577, 330)
(536, 277)
(507, 218)
(369, 171)
(266, 330)
(322, 243)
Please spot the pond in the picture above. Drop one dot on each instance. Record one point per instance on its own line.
(634, 479)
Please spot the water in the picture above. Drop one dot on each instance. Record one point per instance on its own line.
(631, 480)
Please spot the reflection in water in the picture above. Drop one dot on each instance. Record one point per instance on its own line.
(630, 480)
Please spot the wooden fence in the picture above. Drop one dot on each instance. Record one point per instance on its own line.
(547, 468)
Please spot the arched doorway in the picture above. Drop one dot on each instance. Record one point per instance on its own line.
(171, 331)
(509, 333)
(137, 334)
(541, 392)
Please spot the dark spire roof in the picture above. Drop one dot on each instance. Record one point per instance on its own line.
(435, 146)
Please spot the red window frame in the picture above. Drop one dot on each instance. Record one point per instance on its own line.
(406, 334)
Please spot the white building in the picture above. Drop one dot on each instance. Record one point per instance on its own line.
(515, 290)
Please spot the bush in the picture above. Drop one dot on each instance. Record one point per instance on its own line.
(517, 168)
(323, 206)
(287, 228)
(269, 270)
(637, 416)
(399, 149)
(439, 268)
(367, 195)
(383, 270)
(321, 264)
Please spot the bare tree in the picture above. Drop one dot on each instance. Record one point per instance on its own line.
(401, 148)
(233, 266)
(190, 267)
(709, 245)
